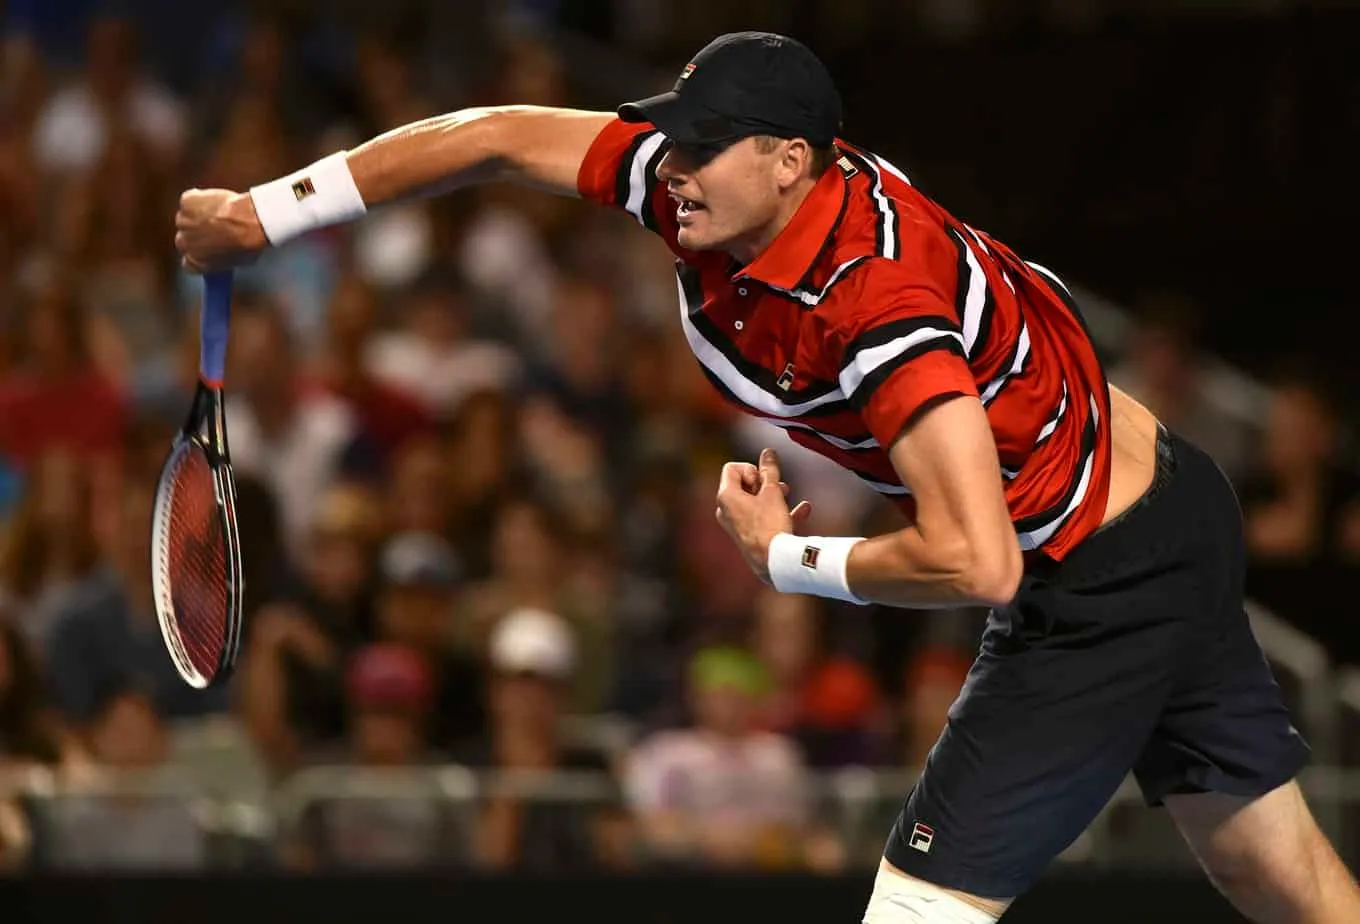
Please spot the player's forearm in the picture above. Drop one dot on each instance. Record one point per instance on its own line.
(534, 146)
(419, 159)
(908, 570)
(432, 156)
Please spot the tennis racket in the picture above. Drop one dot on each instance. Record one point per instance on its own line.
(195, 550)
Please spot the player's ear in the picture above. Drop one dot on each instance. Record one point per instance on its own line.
(795, 161)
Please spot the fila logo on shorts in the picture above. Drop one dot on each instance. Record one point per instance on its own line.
(921, 837)
(689, 69)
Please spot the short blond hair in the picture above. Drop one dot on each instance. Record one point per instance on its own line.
(822, 157)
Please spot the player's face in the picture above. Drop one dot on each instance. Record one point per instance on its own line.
(725, 197)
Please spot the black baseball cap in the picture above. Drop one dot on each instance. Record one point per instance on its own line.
(742, 84)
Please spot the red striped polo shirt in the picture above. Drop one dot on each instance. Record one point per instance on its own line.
(872, 305)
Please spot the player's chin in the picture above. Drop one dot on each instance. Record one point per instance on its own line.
(698, 235)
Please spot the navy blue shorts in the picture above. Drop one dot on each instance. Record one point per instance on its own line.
(1132, 654)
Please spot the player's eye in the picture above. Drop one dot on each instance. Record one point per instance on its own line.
(698, 155)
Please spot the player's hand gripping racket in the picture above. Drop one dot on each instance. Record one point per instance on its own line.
(195, 551)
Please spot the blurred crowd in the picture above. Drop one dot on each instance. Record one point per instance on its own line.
(475, 466)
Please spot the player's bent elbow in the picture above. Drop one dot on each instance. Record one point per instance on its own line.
(993, 576)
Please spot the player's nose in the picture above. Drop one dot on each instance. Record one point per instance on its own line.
(668, 167)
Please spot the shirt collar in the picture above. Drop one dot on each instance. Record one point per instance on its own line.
(790, 258)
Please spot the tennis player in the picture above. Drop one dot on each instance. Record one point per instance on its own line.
(822, 291)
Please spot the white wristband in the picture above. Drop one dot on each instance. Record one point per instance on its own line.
(812, 565)
(316, 196)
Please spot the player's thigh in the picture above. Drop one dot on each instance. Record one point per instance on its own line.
(1064, 694)
(1265, 852)
(1225, 728)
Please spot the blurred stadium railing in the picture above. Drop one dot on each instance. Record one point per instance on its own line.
(160, 821)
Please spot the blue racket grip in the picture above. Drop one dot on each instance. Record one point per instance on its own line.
(214, 327)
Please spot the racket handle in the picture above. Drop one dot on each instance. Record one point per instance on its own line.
(214, 325)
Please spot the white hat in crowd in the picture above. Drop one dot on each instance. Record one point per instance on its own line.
(533, 641)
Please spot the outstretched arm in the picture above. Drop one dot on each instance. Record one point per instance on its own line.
(535, 146)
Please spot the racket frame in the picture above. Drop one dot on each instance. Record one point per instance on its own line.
(205, 430)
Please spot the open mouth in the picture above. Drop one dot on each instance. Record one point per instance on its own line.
(686, 206)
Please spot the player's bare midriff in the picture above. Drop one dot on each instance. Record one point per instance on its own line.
(1133, 453)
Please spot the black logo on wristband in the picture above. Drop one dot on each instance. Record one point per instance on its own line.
(810, 554)
(303, 188)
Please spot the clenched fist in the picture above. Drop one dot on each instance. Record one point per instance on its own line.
(753, 508)
(217, 229)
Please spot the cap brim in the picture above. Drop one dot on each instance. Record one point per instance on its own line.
(680, 120)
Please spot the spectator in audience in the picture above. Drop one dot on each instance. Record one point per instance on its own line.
(1302, 514)
(931, 680)
(391, 246)
(389, 414)
(419, 487)
(826, 702)
(433, 352)
(338, 577)
(533, 552)
(54, 373)
(1167, 371)
(289, 665)
(481, 439)
(566, 460)
(23, 89)
(389, 690)
(292, 439)
(722, 792)
(107, 637)
(32, 731)
(651, 612)
(532, 655)
(50, 549)
(419, 606)
(254, 142)
(292, 683)
(578, 369)
(148, 828)
(297, 643)
(75, 125)
(242, 120)
(32, 734)
(723, 591)
(110, 223)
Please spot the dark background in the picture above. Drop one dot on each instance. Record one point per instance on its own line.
(1175, 159)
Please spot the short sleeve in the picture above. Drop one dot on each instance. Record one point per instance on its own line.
(619, 171)
(897, 347)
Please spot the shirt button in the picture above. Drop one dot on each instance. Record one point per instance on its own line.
(739, 325)
(742, 291)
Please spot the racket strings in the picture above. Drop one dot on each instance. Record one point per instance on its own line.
(196, 564)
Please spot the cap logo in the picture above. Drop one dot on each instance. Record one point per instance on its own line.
(689, 69)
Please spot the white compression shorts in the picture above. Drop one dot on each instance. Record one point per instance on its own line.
(899, 899)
